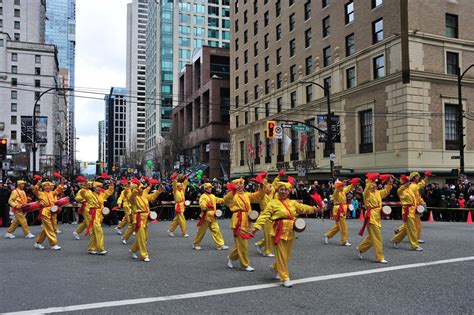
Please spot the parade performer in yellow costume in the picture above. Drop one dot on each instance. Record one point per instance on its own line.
(83, 225)
(127, 208)
(140, 198)
(282, 211)
(207, 203)
(17, 200)
(179, 189)
(373, 204)
(339, 211)
(95, 203)
(409, 204)
(239, 203)
(47, 198)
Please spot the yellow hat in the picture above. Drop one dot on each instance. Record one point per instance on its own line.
(97, 184)
(413, 174)
(207, 185)
(142, 186)
(90, 183)
(20, 182)
(238, 181)
(287, 185)
(46, 184)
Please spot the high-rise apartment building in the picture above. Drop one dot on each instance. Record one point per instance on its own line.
(390, 67)
(174, 30)
(61, 32)
(137, 15)
(115, 128)
(28, 67)
(101, 138)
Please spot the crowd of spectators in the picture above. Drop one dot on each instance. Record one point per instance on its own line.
(441, 199)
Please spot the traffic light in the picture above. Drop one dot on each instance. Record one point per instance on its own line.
(270, 131)
(3, 148)
(84, 165)
(102, 165)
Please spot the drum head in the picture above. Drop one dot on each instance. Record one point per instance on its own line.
(351, 207)
(105, 211)
(54, 209)
(187, 203)
(300, 225)
(218, 213)
(153, 215)
(253, 215)
(386, 210)
(420, 209)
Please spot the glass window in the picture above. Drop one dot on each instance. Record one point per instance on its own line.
(267, 109)
(184, 18)
(279, 80)
(199, 31)
(292, 47)
(350, 44)
(452, 62)
(278, 56)
(14, 57)
(266, 41)
(213, 10)
(266, 18)
(292, 73)
(277, 8)
(278, 32)
(199, 8)
(308, 65)
(184, 54)
(377, 31)
(326, 26)
(307, 10)
(255, 28)
(376, 3)
(292, 22)
(184, 30)
(213, 33)
(325, 3)
(379, 66)
(225, 35)
(267, 63)
(16, 25)
(255, 93)
(307, 38)
(267, 86)
(328, 84)
(293, 99)
(349, 12)
(279, 105)
(255, 70)
(199, 20)
(213, 43)
(13, 107)
(255, 49)
(13, 120)
(451, 126)
(366, 127)
(198, 43)
(225, 12)
(225, 23)
(214, 22)
(327, 56)
(309, 93)
(184, 41)
(14, 69)
(452, 25)
(246, 76)
(350, 77)
(13, 95)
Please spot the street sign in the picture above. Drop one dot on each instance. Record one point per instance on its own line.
(6, 165)
(455, 157)
(301, 128)
(332, 157)
(286, 125)
(278, 132)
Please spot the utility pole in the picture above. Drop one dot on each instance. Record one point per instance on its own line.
(461, 118)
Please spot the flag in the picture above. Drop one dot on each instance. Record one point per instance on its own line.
(303, 141)
(251, 150)
(287, 143)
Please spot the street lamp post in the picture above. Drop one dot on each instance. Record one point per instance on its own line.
(34, 148)
(330, 140)
(460, 118)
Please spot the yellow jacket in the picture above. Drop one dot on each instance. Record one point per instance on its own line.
(204, 201)
(141, 202)
(373, 200)
(415, 188)
(95, 200)
(79, 197)
(124, 201)
(407, 197)
(178, 195)
(339, 197)
(47, 198)
(17, 198)
(241, 202)
(276, 210)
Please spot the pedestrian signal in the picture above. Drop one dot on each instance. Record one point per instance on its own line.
(270, 131)
(3, 148)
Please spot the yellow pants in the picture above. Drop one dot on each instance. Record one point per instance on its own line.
(178, 220)
(339, 226)
(96, 236)
(141, 238)
(373, 239)
(124, 222)
(54, 218)
(47, 231)
(418, 226)
(19, 220)
(130, 228)
(267, 241)
(240, 252)
(81, 227)
(215, 233)
(408, 228)
(282, 255)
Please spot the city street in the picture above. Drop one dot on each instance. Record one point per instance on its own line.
(327, 278)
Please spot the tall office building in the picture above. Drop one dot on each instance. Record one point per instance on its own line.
(115, 128)
(28, 67)
(137, 14)
(173, 32)
(390, 67)
(101, 137)
(61, 32)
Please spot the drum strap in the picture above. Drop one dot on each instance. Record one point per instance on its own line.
(92, 212)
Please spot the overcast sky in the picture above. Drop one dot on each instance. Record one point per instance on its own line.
(100, 64)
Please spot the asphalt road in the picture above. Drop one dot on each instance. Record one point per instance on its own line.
(32, 279)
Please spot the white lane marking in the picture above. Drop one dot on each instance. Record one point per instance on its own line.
(82, 307)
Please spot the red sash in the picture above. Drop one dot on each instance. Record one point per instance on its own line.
(278, 224)
(340, 210)
(83, 207)
(366, 221)
(406, 210)
(237, 229)
(92, 212)
(139, 221)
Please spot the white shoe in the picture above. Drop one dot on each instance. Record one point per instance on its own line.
(360, 254)
(383, 261)
(186, 235)
(229, 263)
(249, 269)
(104, 252)
(92, 252)
(9, 235)
(59, 232)
(347, 244)
(133, 233)
(170, 234)
(196, 247)
(275, 273)
(38, 246)
(287, 283)
(124, 242)
(134, 255)
(76, 235)
(29, 235)
(418, 249)
(146, 259)
(421, 241)
(56, 247)
(269, 255)
(223, 247)
(326, 240)
(259, 248)
(395, 245)
(118, 231)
